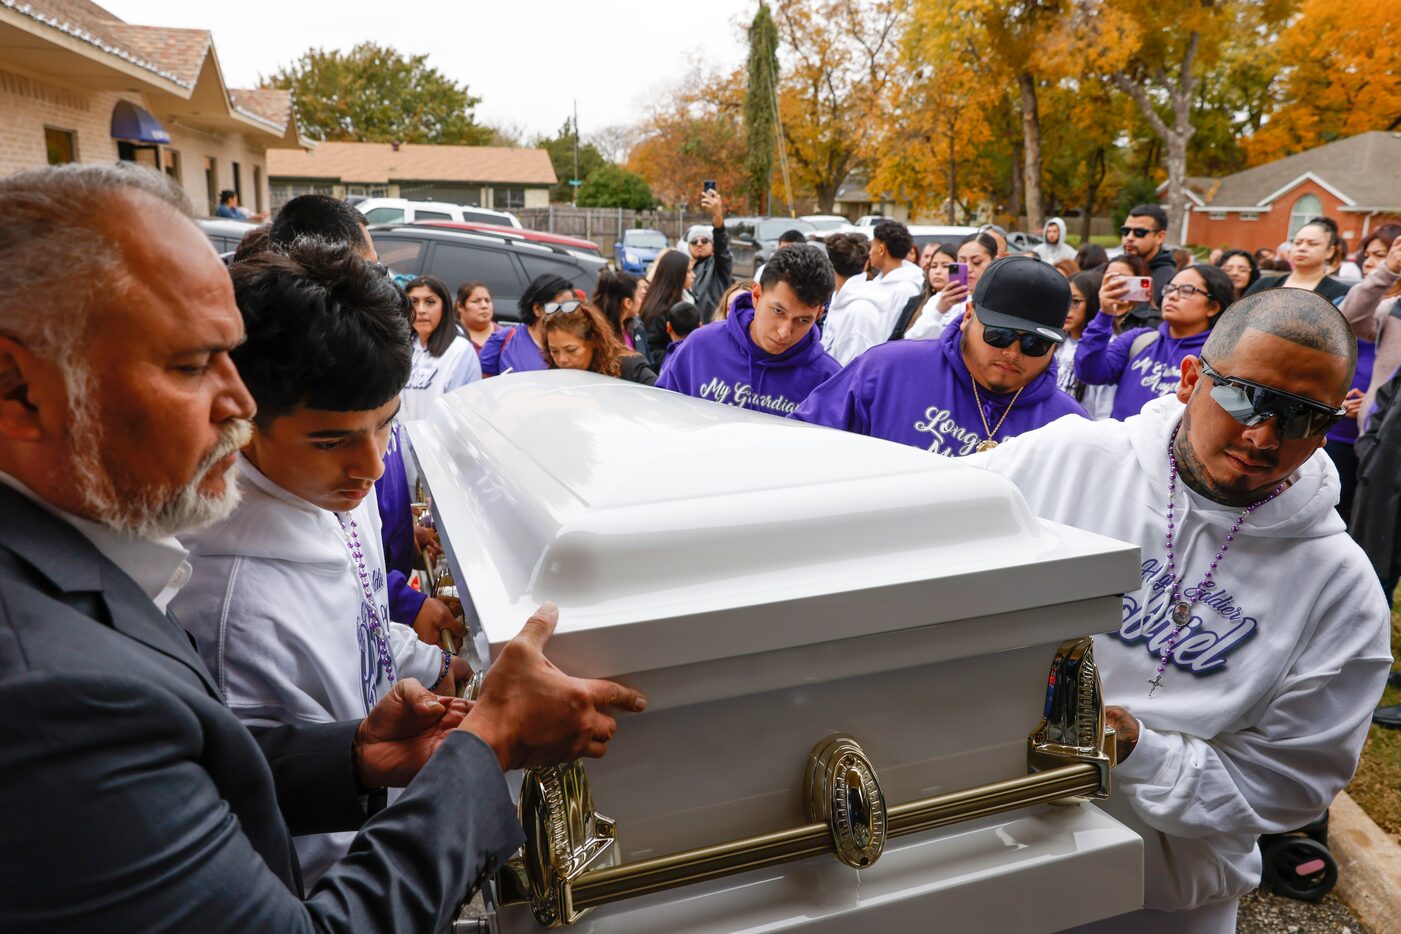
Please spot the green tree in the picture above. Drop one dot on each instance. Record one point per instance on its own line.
(612, 186)
(1137, 190)
(561, 150)
(374, 94)
(760, 99)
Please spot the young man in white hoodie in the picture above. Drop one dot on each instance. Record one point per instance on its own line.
(287, 598)
(855, 319)
(899, 279)
(1053, 248)
(1248, 662)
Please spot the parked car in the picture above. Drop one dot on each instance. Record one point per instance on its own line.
(225, 233)
(870, 220)
(403, 211)
(572, 244)
(924, 234)
(826, 223)
(504, 261)
(1019, 242)
(754, 239)
(635, 252)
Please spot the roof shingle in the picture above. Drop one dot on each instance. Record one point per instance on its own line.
(1366, 168)
(380, 163)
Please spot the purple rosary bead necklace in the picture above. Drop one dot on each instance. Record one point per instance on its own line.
(1181, 606)
(352, 541)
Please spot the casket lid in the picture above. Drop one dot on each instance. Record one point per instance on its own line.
(659, 523)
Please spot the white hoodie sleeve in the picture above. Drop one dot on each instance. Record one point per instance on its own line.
(414, 658)
(1284, 770)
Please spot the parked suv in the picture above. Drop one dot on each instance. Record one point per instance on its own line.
(635, 252)
(754, 239)
(506, 264)
(402, 211)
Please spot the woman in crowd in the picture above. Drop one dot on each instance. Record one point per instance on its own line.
(1145, 363)
(976, 252)
(1084, 307)
(671, 282)
(1314, 246)
(1127, 314)
(583, 339)
(616, 295)
(520, 348)
(936, 279)
(1240, 267)
(722, 310)
(442, 358)
(1091, 256)
(474, 313)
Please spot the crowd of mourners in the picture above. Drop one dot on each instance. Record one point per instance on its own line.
(254, 409)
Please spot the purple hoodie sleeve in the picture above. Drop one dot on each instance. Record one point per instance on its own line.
(404, 601)
(490, 357)
(840, 402)
(1101, 357)
(676, 368)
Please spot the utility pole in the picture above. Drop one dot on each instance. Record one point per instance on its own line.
(574, 183)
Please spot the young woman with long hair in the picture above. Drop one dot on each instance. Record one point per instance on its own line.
(616, 295)
(583, 339)
(670, 282)
(442, 358)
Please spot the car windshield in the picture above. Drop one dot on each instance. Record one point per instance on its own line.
(828, 223)
(773, 229)
(645, 239)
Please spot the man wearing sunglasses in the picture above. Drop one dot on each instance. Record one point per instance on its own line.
(711, 259)
(1142, 234)
(973, 387)
(1251, 654)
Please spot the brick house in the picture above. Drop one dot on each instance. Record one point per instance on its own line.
(1356, 181)
(494, 177)
(79, 85)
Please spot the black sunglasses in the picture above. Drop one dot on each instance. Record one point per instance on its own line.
(1033, 345)
(1136, 231)
(1252, 403)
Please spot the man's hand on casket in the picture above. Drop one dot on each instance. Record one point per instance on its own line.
(531, 713)
(433, 619)
(401, 732)
(1125, 727)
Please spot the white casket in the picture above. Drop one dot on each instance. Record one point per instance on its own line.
(770, 585)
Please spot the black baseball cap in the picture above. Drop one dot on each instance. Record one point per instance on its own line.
(1023, 294)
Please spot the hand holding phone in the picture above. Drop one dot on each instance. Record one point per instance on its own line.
(958, 274)
(1139, 288)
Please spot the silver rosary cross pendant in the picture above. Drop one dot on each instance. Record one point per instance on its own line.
(1154, 684)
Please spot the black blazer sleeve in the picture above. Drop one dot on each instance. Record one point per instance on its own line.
(314, 772)
(110, 820)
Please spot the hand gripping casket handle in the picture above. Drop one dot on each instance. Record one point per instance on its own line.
(569, 862)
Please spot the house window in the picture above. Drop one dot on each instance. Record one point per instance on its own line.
(1305, 209)
(61, 144)
(172, 165)
(367, 191)
(140, 153)
(1251, 216)
(282, 192)
(1217, 215)
(508, 199)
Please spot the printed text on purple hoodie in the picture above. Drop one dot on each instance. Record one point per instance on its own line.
(1103, 360)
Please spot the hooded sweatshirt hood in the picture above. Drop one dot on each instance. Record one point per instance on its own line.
(1060, 250)
(1103, 359)
(855, 320)
(1258, 716)
(721, 362)
(920, 393)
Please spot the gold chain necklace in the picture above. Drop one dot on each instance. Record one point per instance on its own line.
(988, 444)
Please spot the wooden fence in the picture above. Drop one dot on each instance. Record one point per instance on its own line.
(605, 226)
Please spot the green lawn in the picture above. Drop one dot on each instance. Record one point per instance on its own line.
(1377, 786)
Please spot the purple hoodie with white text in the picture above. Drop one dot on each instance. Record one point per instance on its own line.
(1102, 359)
(720, 362)
(920, 393)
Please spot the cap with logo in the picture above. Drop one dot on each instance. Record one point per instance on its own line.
(1023, 294)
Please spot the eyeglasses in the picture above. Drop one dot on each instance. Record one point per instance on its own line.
(1076, 301)
(1252, 404)
(700, 241)
(1033, 345)
(553, 307)
(1187, 291)
(1136, 231)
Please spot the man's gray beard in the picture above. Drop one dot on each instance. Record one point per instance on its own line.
(150, 513)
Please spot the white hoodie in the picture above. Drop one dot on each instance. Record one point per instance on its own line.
(432, 376)
(898, 286)
(276, 605)
(1264, 707)
(855, 319)
(1055, 252)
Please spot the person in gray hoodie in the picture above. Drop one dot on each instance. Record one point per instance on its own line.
(1054, 248)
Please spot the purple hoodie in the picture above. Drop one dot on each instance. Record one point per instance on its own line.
(1103, 360)
(396, 532)
(511, 350)
(920, 393)
(719, 362)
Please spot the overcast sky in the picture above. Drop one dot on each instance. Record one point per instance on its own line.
(526, 59)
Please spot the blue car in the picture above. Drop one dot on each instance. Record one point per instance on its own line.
(635, 252)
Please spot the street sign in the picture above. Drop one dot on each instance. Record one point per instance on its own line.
(576, 182)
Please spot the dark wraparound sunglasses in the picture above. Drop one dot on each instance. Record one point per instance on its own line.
(1136, 231)
(1252, 403)
(1033, 345)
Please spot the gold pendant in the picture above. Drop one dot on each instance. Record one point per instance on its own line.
(987, 445)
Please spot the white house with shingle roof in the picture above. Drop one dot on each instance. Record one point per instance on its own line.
(1355, 180)
(481, 176)
(77, 84)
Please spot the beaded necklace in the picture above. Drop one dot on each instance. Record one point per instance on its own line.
(1181, 607)
(350, 532)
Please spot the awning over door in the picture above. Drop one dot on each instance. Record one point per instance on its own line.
(130, 122)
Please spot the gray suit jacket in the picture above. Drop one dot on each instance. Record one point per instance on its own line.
(131, 799)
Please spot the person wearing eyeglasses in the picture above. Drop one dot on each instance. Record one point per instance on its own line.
(1145, 363)
(711, 260)
(582, 339)
(987, 380)
(1242, 676)
(1142, 235)
(522, 348)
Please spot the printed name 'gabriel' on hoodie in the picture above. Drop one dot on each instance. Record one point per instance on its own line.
(920, 393)
(720, 362)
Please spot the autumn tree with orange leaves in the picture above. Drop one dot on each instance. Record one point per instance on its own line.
(696, 135)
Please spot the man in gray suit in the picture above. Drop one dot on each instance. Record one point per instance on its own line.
(131, 799)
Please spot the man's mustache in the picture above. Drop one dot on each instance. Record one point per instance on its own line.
(232, 437)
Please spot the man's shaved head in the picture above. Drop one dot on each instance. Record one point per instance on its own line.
(1296, 315)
